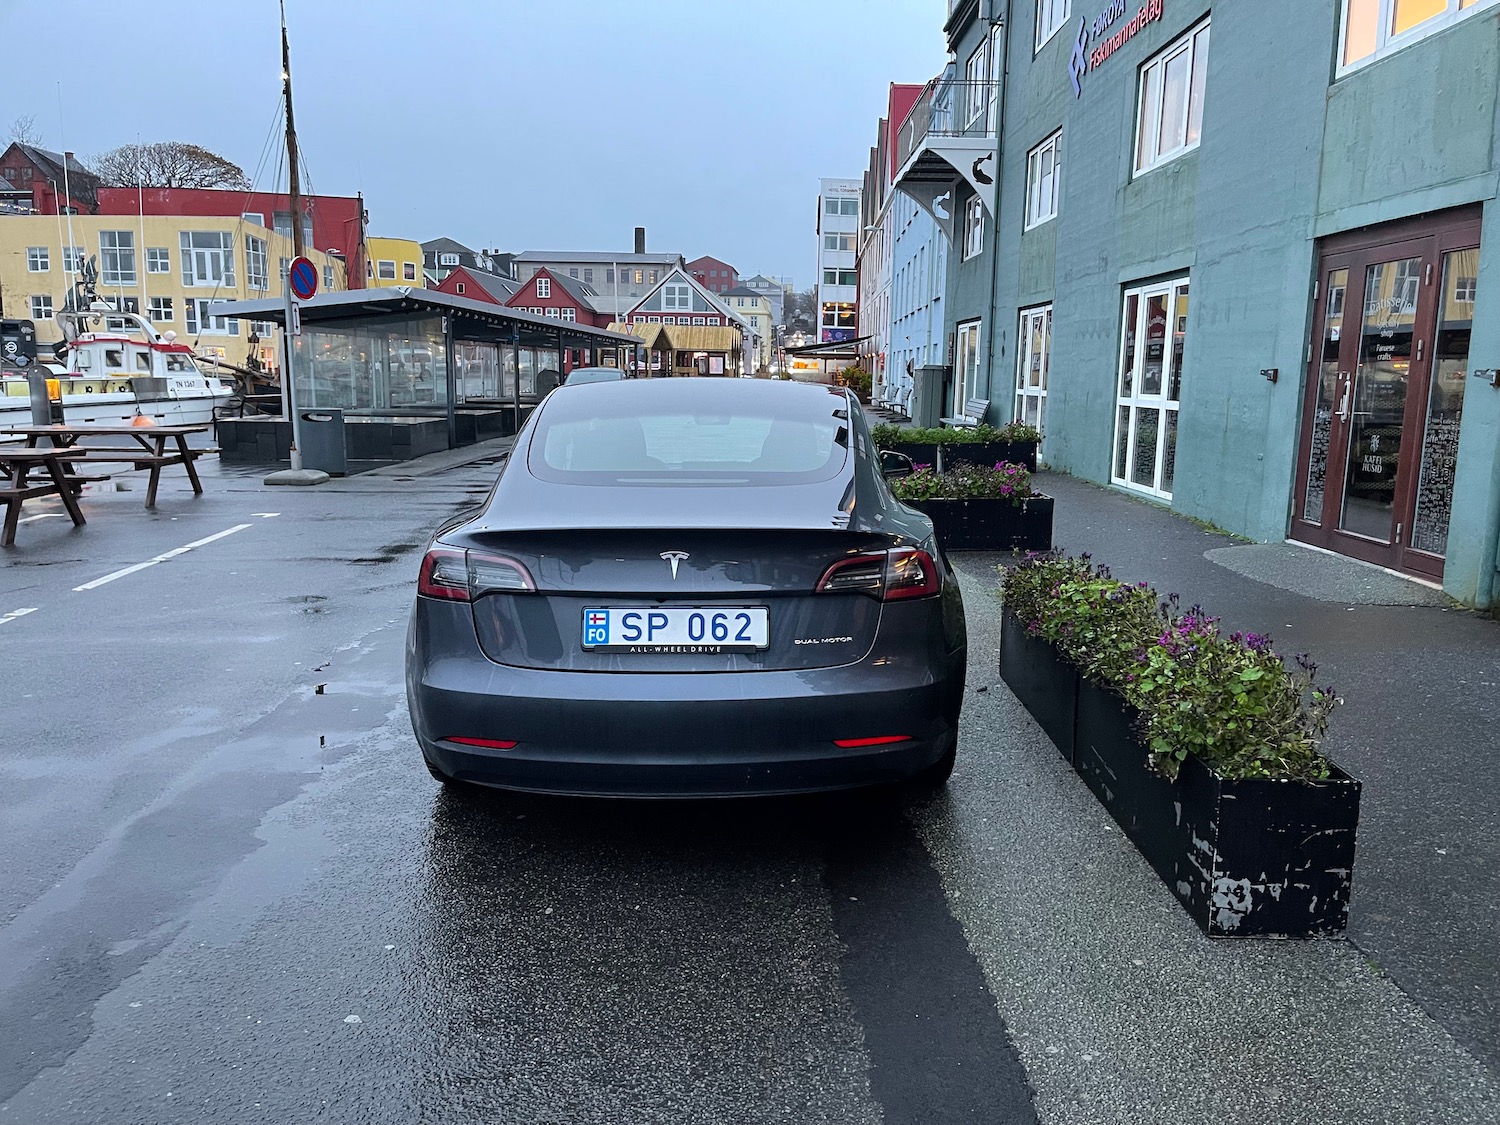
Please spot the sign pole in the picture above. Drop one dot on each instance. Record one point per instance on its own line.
(289, 379)
(301, 285)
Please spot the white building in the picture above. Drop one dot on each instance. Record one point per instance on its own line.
(838, 245)
(919, 265)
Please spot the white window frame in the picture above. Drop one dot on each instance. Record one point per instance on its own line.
(447, 259)
(1387, 43)
(1028, 360)
(967, 358)
(1050, 17)
(554, 312)
(1043, 188)
(976, 74)
(328, 275)
(38, 259)
(206, 248)
(116, 248)
(256, 217)
(385, 269)
(408, 271)
(158, 259)
(160, 310)
(199, 322)
(257, 263)
(1150, 140)
(73, 257)
(570, 315)
(677, 295)
(544, 288)
(1136, 399)
(41, 307)
(973, 227)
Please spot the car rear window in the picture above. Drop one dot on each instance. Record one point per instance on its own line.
(577, 443)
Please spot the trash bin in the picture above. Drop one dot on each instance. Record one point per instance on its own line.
(322, 439)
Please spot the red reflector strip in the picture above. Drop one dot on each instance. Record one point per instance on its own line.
(487, 743)
(883, 740)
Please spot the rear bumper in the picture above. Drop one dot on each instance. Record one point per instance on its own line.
(676, 734)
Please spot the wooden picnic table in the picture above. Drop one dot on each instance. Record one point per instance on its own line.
(149, 452)
(16, 487)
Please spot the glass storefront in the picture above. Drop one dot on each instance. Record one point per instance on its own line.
(383, 365)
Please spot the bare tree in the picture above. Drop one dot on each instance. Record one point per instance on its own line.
(24, 131)
(168, 164)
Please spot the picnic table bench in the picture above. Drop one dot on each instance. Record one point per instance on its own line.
(16, 485)
(149, 450)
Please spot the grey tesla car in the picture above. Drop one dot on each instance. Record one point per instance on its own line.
(688, 587)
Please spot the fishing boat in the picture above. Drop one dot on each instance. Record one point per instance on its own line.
(121, 370)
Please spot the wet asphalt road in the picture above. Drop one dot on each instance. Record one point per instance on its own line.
(231, 893)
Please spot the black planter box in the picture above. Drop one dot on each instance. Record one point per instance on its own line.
(988, 453)
(1045, 683)
(990, 525)
(1245, 858)
(921, 453)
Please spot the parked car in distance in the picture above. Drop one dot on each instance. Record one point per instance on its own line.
(688, 587)
(593, 375)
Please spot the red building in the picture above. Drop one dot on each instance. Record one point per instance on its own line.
(548, 293)
(714, 275)
(28, 171)
(329, 222)
(477, 285)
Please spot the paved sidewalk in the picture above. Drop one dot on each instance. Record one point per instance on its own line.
(1420, 677)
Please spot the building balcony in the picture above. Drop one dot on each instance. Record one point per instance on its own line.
(949, 138)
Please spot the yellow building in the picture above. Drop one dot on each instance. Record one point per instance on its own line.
(168, 268)
(392, 261)
(754, 309)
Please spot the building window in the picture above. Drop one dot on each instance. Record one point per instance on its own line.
(263, 328)
(117, 257)
(677, 297)
(609, 277)
(652, 278)
(830, 206)
(327, 275)
(588, 277)
(966, 364)
(1153, 332)
(1033, 354)
(830, 277)
(1043, 180)
(544, 287)
(158, 259)
(640, 276)
(570, 315)
(207, 257)
(120, 304)
(536, 309)
(41, 306)
(72, 258)
(553, 312)
(37, 259)
(255, 217)
(199, 322)
(1371, 29)
(973, 227)
(653, 320)
(460, 288)
(1050, 15)
(713, 322)
(846, 207)
(1463, 290)
(839, 242)
(976, 75)
(1169, 113)
(385, 270)
(573, 273)
(159, 309)
(408, 271)
(257, 265)
(447, 259)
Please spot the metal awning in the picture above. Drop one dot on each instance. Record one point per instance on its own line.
(400, 299)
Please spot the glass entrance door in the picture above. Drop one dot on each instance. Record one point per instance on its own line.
(1385, 397)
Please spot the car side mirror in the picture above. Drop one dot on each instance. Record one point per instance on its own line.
(893, 464)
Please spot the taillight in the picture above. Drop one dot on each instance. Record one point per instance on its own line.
(879, 740)
(461, 576)
(901, 572)
(484, 743)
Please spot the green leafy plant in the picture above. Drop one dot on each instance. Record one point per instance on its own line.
(888, 433)
(857, 379)
(963, 481)
(1229, 700)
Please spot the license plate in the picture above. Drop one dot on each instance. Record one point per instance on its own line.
(676, 628)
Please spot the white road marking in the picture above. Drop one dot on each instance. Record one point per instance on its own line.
(172, 554)
(43, 516)
(15, 613)
(266, 515)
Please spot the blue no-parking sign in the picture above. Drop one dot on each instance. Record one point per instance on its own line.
(303, 278)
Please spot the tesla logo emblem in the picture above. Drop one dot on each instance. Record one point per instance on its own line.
(674, 557)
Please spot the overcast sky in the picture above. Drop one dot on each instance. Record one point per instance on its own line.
(524, 124)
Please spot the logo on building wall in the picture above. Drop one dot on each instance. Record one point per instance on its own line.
(1106, 42)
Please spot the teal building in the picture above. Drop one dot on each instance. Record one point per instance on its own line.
(1239, 259)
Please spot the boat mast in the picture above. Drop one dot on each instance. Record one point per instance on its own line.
(293, 183)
